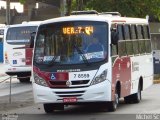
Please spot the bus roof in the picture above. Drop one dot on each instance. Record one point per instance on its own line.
(31, 23)
(98, 17)
(2, 25)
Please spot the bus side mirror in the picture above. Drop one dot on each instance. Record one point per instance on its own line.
(114, 37)
(32, 36)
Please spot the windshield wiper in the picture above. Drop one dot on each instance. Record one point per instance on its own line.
(52, 62)
(82, 54)
(49, 63)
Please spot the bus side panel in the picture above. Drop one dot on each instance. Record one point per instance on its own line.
(121, 71)
(28, 53)
(142, 67)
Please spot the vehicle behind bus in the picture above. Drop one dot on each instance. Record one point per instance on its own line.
(155, 38)
(17, 50)
(68, 69)
(2, 28)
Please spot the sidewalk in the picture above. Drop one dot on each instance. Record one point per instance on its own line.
(17, 101)
(3, 76)
(156, 79)
(2, 71)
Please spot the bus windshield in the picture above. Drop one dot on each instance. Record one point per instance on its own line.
(19, 35)
(74, 42)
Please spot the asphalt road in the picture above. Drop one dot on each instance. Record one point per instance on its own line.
(23, 106)
(16, 86)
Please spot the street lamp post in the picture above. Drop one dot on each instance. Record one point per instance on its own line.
(7, 12)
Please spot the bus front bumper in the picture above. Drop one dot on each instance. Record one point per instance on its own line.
(11, 70)
(96, 93)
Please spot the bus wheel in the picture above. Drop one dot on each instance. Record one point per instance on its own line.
(137, 96)
(51, 107)
(48, 108)
(113, 104)
(128, 99)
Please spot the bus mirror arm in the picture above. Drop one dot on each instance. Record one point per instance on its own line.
(32, 36)
(114, 37)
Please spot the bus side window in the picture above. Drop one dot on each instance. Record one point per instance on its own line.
(141, 39)
(147, 38)
(139, 32)
(146, 32)
(129, 44)
(134, 39)
(122, 42)
(114, 47)
(114, 50)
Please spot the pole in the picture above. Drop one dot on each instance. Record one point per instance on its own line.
(69, 2)
(79, 5)
(63, 7)
(7, 12)
(10, 92)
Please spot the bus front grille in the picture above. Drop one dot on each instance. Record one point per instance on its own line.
(63, 84)
(70, 93)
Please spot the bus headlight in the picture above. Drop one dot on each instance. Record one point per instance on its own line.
(99, 78)
(40, 81)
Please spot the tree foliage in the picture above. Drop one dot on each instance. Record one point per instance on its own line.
(133, 8)
(22, 1)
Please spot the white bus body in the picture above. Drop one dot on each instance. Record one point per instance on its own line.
(122, 70)
(17, 52)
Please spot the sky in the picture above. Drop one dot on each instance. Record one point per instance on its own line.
(18, 6)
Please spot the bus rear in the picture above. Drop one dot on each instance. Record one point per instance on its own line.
(17, 50)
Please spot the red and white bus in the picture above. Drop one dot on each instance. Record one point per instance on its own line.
(64, 73)
(17, 52)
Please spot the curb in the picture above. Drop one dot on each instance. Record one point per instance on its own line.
(2, 75)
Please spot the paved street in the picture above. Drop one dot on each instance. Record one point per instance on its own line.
(150, 104)
(23, 104)
(2, 72)
(16, 86)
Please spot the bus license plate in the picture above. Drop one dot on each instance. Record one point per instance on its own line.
(70, 100)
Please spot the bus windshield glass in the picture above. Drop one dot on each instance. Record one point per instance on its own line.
(74, 42)
(20, 35)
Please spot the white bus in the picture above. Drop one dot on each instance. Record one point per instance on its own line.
(17, 50)
(65, 73)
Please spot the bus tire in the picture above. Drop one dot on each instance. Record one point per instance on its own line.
(48, 108)
(137, 96)
(112, 106)
(51, 107)
(128, 99)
